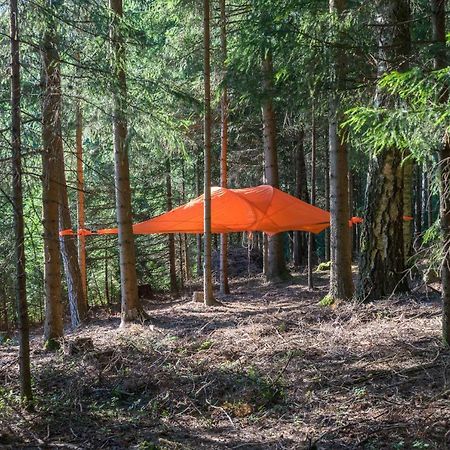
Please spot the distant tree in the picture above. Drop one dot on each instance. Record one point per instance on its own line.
(171, 236)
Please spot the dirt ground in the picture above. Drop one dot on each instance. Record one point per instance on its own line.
(270, 369)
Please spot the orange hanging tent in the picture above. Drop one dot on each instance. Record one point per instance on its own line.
(260, 208)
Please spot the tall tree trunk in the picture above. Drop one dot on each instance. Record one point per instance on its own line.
(207, 266)
(80, 200)
(19, 226)
(171, 236)
(276, 266)
(313, 196)
(301, 192)
(440, 62)
(51, 109)
(341, 283)
(131, 305)
(382, 263)
(77, 301)
(224, 286)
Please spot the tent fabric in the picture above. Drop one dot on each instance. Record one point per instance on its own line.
(261, 208)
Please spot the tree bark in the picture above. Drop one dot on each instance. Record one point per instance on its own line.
(418, 202)
(207, 266)
(341, 283)
(313, 196)
(198, 236)
(224, 285)
(171, 236)
(77, 301)
(276, 266)
(440, 62)
(80, 201)
(382, 263)
(408, 183)
(131, 306)
(51, 109)
(301, 192)
(19, 225)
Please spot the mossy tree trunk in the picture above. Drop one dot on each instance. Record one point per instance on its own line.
(382, 261)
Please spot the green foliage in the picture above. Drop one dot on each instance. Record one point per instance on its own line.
(328, 300)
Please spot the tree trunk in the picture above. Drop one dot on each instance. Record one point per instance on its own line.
(131, 305)
(19, 225)
(80, 201)
(313, 195)
(224, 286)
(77, 301)
(301, 192)
(408, 173)
(418, 202)
(341, 283)
(327, 201)
(440, 62)
(198, 236)
(51, 109)
(276, 266)
(382, 264)
(171, 236)
(207, 267)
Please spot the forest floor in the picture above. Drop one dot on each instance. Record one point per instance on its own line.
(270, 369)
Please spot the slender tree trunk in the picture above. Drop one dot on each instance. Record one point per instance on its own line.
(440, 62)
(77, 301)
(408, 173)
(301, 192)
(224, 286)
(51, 109)
(276, 267)
(313, 196)
(341, 283)
(198, 236)
(207, 266)
(418, 202)
(19, 225)
(382, 263)
(131, 305)
(171, 236)
(327, 202)
(426, 199)
(429, 197)
(80, 201)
